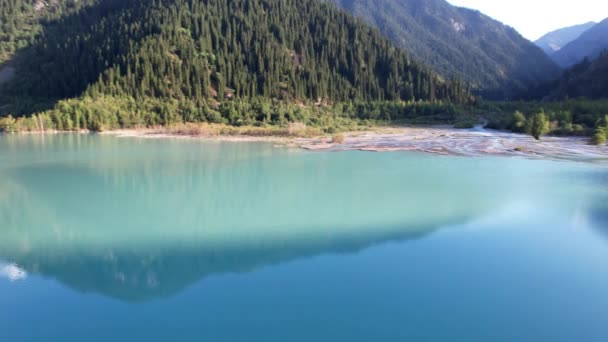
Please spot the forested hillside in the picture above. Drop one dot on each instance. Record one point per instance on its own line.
(22, 20)
(588, 79)
(459, 43)
(201, 53)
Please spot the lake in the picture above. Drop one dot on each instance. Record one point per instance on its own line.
(124, 239)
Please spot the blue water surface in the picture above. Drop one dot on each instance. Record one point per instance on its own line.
(127, 239)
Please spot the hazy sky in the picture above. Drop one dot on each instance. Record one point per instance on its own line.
(534, 18)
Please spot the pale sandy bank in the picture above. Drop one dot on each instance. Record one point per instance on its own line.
(438, 140)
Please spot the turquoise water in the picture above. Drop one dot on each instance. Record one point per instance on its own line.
(125, 239)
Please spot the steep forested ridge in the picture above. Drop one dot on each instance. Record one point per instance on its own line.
(21, 21)
(459, 43)
(218, 49)
(556, 40)
(590, 44)
(588, 79)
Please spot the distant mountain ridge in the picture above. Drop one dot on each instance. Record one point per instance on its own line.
(556, 40)
(588, 79)
(590, 44)
(459, 43)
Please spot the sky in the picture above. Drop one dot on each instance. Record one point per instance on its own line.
(534, 18)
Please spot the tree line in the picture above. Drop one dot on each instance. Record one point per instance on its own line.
(574, 117)
(107, 113)
(205, 53)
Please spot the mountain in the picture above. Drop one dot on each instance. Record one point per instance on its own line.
(206, 51)
(590, 44)
(459, 43)
(556, 40)
(587, 79)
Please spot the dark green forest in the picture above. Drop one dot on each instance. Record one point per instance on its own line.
(108, 64)
(202, 54)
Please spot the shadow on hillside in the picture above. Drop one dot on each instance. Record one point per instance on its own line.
(69, 55)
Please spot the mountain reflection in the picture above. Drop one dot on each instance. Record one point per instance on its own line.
(135, 250)
(142, 219)
(146, 272)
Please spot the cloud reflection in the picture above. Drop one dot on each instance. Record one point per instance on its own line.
(12, 272)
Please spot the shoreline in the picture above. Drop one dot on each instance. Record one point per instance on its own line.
(152, 133)
(440, 140)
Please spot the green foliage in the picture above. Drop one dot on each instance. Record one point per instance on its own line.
(566, 118)
(288, 50)
(600, 134)
(538, 125)
(109, 112)
(20, 21)
(519, 122)
(39, 122)
(465, 123)
(7, 124)
(16, 28)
